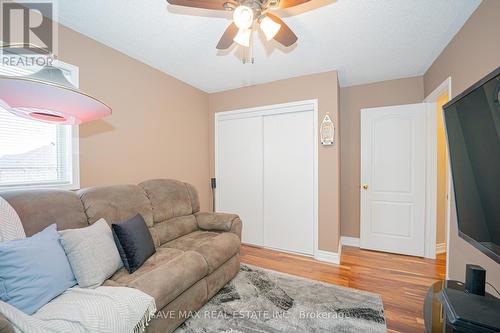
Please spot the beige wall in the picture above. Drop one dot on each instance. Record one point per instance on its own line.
(323, 87)
(473, 53)
(159, 126)
(442, 171)
(352, 100)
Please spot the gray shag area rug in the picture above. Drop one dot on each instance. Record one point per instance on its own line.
(264, 301)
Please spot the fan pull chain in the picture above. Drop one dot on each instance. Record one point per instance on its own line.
(248, 57)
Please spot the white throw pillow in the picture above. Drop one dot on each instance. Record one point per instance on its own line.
(10, 224)
(92, 253)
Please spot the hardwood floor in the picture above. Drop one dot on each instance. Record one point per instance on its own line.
(402, 281)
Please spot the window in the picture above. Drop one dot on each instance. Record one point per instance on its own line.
(38, 154)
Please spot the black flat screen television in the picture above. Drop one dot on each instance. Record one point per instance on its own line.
(472, 122)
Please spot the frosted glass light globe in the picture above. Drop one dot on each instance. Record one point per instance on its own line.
(243, 17)
(269, 27)
(243, 37)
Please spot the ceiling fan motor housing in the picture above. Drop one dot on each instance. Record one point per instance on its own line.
(245, 14)
(230, 6)
(273, 3)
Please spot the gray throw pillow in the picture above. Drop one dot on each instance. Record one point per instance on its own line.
(92, 253)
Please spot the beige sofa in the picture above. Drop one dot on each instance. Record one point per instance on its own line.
(196, 253)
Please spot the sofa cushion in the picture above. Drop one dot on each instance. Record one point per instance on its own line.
(134, 242)
(38, 209)
(92, 253)
(191, 240)
(175, 228)
(219, 250)
(169, 198)
(161, 256)
(165, 275)
(216, 248)
(116, 203)
(34, 270)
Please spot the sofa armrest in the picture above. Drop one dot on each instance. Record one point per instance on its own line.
(5, 325)
(219, 222)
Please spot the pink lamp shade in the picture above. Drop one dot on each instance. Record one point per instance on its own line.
(47, 96)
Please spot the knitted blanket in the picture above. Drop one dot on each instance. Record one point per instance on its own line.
(101, 310)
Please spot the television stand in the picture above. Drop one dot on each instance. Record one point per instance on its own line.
(435, 317)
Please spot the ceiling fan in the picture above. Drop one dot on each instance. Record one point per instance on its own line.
(245, 13)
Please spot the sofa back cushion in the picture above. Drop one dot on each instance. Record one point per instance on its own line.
(173, 203)
(174, 228)
(169, 198)
(38, 209)
(116, 203)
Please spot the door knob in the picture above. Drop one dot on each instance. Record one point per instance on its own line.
(365, 186)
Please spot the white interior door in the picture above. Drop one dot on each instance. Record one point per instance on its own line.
(393, 164)
(289, 181)
(240, 174)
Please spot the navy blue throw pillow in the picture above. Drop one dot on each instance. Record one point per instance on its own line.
(134, 242)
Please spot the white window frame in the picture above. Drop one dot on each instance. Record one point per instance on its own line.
(74, 182)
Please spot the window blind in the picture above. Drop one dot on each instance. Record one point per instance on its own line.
(32, 152)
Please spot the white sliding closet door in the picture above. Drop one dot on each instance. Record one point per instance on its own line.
(289, 181)
(266, 170)
(240, 174)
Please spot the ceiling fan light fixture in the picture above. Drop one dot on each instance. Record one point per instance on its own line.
(243, 17)
(243, 37)
(269, 27)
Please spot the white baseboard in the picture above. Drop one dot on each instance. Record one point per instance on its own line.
(349, 241)
(353, 241)
(440, 248)
(326, 256)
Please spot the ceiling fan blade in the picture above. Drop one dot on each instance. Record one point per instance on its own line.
(291, 3)
(285, 35)
(207, 4)
(227, 37)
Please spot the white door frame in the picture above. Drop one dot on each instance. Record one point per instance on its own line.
(431, 222)
(271, 110)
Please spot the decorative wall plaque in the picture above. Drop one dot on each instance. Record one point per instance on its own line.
(327, 131)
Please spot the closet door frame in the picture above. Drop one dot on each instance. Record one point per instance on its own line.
(298, 106)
